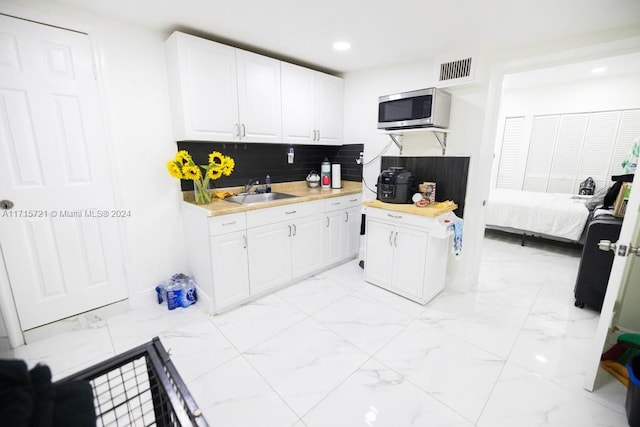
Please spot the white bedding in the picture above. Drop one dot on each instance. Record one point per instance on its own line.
(552, 214)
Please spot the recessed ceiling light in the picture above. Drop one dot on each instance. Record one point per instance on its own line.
(342, 45)
(599, 70)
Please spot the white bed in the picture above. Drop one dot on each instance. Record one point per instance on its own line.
(551, 215)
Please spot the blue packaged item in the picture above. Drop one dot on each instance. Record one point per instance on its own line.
(187, 295)
(161, 291)
(173, 296)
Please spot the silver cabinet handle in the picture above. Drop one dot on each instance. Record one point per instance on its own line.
(295, 229)
(237, 132)
(394, 216)
(346, 217)
(315, 138)
(391, 237)
(318, 134)
(228, 223)
(244, 131)
(327, 222)
(290, 212)
(395, 240)
(289, 230)
(353, 200)
(244, 238)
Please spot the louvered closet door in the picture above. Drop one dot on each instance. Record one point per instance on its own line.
(598, 148)
(541, 147)
(628, 131)
(566, 158)
(510, 154)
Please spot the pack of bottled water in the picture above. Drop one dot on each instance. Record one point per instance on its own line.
(177, 291)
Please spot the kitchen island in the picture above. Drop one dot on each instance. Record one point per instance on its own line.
(407, 248)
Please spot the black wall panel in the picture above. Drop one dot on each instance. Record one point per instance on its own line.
(449, 173)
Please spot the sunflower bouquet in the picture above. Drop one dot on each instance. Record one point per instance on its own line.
(182, 166)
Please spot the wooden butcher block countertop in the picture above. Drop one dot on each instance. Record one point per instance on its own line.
(429, 211)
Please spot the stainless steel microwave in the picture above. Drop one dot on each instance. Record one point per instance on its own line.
(416, 109)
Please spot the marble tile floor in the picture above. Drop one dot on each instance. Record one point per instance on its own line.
(336, 351)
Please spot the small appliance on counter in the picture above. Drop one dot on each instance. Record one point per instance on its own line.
(325, 174)
(396, 185)
(313, 179)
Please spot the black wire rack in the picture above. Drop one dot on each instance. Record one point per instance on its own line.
(140, 387)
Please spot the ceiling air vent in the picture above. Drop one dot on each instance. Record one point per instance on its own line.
(456, 71)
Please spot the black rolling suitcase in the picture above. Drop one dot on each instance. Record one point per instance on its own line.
(595, 264)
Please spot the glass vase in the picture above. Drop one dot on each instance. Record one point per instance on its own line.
(201, 192)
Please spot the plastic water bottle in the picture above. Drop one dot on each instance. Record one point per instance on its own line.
(188, 294)
(267, 182)
(173, 295)
(161, 291)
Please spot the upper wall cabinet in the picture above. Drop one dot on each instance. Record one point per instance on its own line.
(312, 106)
(220, 93)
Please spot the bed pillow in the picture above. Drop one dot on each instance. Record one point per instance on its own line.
(597, 199)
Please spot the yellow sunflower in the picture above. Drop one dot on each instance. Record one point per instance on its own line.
(174, 169)
(214, 173)
(192, 172)
(216, 158)
(227, 165)
(183, 157)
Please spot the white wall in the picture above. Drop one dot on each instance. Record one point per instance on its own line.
(132, 77)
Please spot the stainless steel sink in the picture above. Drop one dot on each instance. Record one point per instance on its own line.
(254, 198)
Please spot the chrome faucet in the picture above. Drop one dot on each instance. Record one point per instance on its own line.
(249, 185)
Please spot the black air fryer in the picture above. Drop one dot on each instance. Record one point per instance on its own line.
(395, 185)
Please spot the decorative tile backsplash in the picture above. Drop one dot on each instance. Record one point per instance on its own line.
(255, 161)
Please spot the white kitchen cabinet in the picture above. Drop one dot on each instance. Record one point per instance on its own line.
(237, 257)
(230, 269)
(220, 93)
(312, 106)
(341, 228)
(406, 254)
(285, 243)
(218, 257)
(269, 257)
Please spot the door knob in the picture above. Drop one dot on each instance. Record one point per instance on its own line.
(6, 204)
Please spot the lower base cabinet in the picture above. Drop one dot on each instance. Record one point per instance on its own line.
(248, 254)
(229, 261)
(406, 254)
(281, 252)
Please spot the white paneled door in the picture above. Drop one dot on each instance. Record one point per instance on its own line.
(60, 241)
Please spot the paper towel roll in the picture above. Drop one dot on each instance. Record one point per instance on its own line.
(336, 179)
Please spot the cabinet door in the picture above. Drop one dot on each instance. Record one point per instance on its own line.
(230, 269)
(298, 104)
(379, 253)
(269, 256)
(329, 108)
(306, 245)
(332, 247)
(409, 261)
(205, 85)
(259, 98)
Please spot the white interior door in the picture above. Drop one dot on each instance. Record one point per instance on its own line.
(620, 281)
(60, 241)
